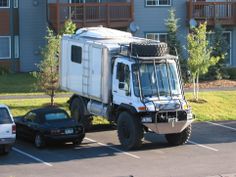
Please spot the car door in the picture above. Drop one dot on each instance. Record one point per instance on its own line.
(30, 125)
(122, 85)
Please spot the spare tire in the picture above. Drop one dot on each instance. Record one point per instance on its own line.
(149, 49)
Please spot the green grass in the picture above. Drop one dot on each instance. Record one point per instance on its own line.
(220, 106)
(22, 106)
(17, 83)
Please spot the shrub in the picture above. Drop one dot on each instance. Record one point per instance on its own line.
(232, 73)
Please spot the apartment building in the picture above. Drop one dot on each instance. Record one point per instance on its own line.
(23, 22)
(150, 16)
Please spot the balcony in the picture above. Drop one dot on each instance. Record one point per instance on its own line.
(113, 14)
(223, 13)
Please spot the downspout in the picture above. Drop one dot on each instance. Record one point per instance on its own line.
(12, 27)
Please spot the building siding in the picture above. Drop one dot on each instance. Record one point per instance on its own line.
(32, 25)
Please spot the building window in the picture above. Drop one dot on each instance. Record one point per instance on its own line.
(158, 2)
(16, 3)
(76, 54)
(162, 37)
(4, 3)
(16, 45)
(5, 47)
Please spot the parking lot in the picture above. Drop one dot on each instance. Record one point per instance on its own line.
(210, 152)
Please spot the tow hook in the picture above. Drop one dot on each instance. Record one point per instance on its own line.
(172, 121)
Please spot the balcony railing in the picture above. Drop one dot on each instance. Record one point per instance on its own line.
(113, 14)
(223, 13)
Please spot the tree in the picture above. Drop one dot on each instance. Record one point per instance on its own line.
(173, 42)
(220, 49)
(48, 75)
(172, 29)
(200, 55)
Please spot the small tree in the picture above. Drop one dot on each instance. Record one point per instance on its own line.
(172, 29)
(173, 42)
(200, 58)
(48, 76)
(220, 49)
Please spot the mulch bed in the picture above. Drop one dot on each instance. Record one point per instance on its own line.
(213, 84)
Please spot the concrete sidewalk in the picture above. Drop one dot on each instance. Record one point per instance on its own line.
(13, 97)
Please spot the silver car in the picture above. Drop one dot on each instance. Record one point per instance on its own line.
(7, 130)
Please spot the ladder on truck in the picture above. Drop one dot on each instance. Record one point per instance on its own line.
(86, 70)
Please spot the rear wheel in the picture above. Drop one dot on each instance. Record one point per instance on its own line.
(176, 139)
(130, 131)
(39, 141)
(78, 112)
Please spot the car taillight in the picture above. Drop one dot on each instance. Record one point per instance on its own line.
(13, 129)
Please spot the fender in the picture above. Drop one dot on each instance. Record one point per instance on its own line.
(127, 107)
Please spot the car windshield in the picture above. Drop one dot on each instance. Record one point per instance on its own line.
(56, 116)
(159, 79)
(5, 117)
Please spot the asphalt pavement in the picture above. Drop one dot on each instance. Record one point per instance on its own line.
(209, 153)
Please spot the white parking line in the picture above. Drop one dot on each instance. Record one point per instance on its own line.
(32, 157)
(220, 125)
(113, 148)
(203, 146)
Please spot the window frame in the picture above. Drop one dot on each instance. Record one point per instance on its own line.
(81, 57)
(8, 57)
(158, 34)
(158, 5)
(5, 7)
(16, 3)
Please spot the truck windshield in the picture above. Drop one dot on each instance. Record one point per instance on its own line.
(159, 79)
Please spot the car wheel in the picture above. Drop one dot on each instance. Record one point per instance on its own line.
(176, 139)
(79, 140)
(130, 131)
(39, 141)
(7, 149)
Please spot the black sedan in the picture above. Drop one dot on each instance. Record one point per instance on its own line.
(49, 125)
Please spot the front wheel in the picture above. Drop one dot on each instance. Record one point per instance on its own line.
(181, 138)
(79, 140)
(39, 141)
(130, 131)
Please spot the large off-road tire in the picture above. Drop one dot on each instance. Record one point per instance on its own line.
(149, 49)
(39, 141)
(130, 131)
(176, 139)
(77, 110)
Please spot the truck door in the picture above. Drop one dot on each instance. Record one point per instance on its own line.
(121, 83)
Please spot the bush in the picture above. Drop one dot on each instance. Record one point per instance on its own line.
(232, 73)
(4, 70)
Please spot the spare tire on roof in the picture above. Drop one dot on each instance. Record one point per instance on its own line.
(149, 49)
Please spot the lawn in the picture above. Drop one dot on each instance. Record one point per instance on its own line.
(17, 83)
(220, 106)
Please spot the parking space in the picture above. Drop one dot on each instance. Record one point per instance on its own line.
(210, 152)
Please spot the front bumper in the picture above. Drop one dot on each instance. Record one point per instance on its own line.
(172, 122)
(7, 141)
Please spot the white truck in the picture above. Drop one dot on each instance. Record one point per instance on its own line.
(131, 81)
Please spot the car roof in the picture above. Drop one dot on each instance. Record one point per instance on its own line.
(47, 110)
(3, 106)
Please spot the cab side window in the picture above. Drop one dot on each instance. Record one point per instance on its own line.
(123, 76)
